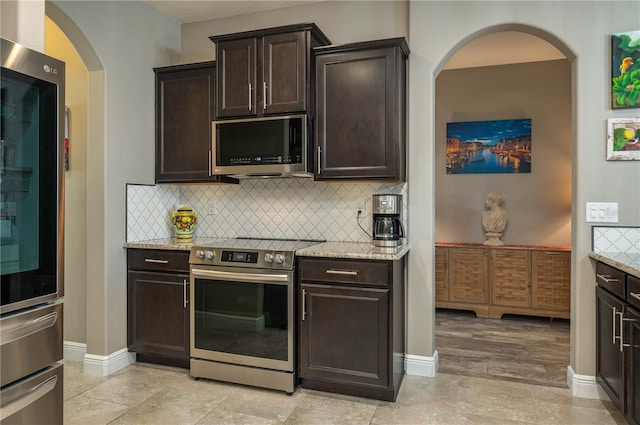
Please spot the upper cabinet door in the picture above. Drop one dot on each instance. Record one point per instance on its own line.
(284, 72)
(237, 78)
(360, 124)
(266, 72)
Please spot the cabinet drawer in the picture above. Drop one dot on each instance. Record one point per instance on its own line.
(611, 279)
(633, 291)
(344, 271)
(158, 260)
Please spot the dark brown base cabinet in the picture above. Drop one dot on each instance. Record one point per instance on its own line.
(618, 339)
(157, 306)
(351, 317)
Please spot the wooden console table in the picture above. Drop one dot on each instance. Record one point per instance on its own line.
(514, 279)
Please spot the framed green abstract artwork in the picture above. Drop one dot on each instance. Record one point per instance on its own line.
(625, 70)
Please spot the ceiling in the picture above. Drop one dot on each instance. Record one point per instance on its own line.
(499, 48)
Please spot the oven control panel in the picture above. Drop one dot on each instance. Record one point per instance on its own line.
(239, 257)
(242, 258)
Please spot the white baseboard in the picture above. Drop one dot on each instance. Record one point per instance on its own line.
(106, 365)
(74, 351)
(584, 386)
(421, 365)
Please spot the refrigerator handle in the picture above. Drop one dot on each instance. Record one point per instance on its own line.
(31, 397)
(28, 328)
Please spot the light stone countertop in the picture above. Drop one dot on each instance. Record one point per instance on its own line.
(628, 262)
(171, 243)
(355, 250)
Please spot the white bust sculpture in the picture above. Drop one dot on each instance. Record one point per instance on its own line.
(494, 219)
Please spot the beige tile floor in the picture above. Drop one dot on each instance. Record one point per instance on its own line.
(150, 394)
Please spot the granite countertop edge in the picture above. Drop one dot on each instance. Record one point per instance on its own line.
(354, 250)
(628, 262)
(171, 243)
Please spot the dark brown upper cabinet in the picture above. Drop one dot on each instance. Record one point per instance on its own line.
(360, 125)
(266, 72)
(185, 100)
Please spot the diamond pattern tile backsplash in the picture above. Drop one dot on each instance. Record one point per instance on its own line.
(616, 239)
(269, 208)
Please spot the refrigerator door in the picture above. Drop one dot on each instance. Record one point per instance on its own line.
(31, 177)
(30, 341)
(37, 399)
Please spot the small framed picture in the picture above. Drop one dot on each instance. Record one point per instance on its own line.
(623, 139)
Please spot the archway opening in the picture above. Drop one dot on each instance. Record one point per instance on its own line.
(491, 318)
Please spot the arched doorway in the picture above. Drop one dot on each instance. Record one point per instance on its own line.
(475, 84)
(83, 324)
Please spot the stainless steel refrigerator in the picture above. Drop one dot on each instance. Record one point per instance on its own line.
(31, 235)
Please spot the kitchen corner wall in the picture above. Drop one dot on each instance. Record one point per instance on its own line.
(288, 208)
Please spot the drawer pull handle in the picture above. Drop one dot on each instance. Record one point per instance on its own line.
(153, 260)
(607, 278)
(343, 272)
(634, 295)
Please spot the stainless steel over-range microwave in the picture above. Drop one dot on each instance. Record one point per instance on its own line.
(256, 147)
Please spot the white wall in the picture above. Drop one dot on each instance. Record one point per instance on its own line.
(129, 39)
(538, 203)
(23, 22)
(437, 30)
(341, 22)
(75, 208)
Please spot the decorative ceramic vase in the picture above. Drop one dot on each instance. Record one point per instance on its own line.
(184, 223)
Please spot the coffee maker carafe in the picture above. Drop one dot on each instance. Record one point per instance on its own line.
(387, 224)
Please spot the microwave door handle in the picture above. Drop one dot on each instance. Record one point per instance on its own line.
(212, 152)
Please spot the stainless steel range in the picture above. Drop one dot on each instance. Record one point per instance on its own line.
(242, 312)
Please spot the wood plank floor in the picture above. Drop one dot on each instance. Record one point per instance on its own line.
(515, 348)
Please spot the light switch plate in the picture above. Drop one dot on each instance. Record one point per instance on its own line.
(602, 212)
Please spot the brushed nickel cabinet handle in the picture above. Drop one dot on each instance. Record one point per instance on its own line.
(319, 152)
(184, 293)
(613, 322)
(621, 317)
(152, 260)
(607, 278)
(264, 94)
(304, 304)
(634, 295)
(343, 272)
(250, 106)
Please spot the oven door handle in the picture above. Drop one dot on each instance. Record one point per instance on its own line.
(239, 277)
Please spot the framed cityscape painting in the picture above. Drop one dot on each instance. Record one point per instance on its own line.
(501, 146)
(625, 70)
(623, 139)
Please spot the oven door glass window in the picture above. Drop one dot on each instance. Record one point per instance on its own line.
(240, 318)
(28, 178)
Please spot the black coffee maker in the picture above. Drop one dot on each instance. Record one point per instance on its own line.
(387, 224)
